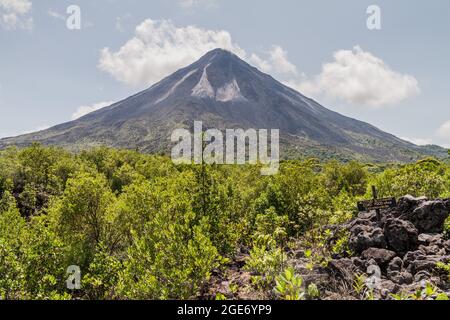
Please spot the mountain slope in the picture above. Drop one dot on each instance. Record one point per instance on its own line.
(225, 92)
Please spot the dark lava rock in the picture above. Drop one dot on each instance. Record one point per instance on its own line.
(428, 239)
(409, 203)
(401, 278)
(416, 261)
(430, 216)
(382, 257)
(359, 263)
(432, 250)
(422, 276)
(404, 246)
(396, 265)
(401, 236)
(363, 237)
(412, 256)
(344, 267)
(388, 287)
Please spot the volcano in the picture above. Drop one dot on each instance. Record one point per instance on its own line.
(225, 92)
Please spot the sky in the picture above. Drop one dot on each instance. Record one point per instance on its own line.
(384, 62)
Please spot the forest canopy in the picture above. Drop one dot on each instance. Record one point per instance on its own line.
(140, 227)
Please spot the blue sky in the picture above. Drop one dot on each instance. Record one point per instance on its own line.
(395, 78)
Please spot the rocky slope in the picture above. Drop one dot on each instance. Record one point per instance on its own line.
(405, 247)
(395, 258)
(225, 92)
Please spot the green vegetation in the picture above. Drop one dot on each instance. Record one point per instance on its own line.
(289, 285)
(140, 227)
(429, 292)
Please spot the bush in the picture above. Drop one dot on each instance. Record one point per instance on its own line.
(266, 262)
(289, 286)
(425, 178)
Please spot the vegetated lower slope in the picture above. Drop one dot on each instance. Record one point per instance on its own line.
(140, 227)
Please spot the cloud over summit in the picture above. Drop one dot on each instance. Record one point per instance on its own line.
(159, 48)
(14, 14)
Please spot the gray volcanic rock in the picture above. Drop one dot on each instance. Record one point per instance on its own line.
(381, 256)
(395, 265)
(430, 216)
(431, 239)
(408, 203)
(401, 236)
(405, 257)
(224, 92)
(363, 237)
(401, 278)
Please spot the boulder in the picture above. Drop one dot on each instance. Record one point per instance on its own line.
(446, 246)
(412, 256)
(401, 278)
(370, 263)
(417, 261)
(426, 265)
(396, 265)
(359, 263)
(422, 276)
(401, 236)
(382, 257)
(432, 250)
(363, 237)
(401, 251)
(388, 287)
(428, 239)
(345, 267)
(430, 216)
(366, 217)
(408, 203)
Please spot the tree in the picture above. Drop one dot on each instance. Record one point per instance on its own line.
(12, 273)
(82, 217)
(172, 254)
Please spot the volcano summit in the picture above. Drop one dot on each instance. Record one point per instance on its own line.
(225, 92)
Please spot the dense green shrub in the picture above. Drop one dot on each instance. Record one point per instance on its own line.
(140, 227)
(428, 178)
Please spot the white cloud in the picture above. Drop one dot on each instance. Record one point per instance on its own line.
(84, 110)
(419, 141)
(440, 137)
(358, 77)
(14, 14)
(197, 3)
(444, 131)
(160, 48)
(277, 62)
(17, 6)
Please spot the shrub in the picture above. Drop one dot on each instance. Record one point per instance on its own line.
(289, 286)
(266, 262)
